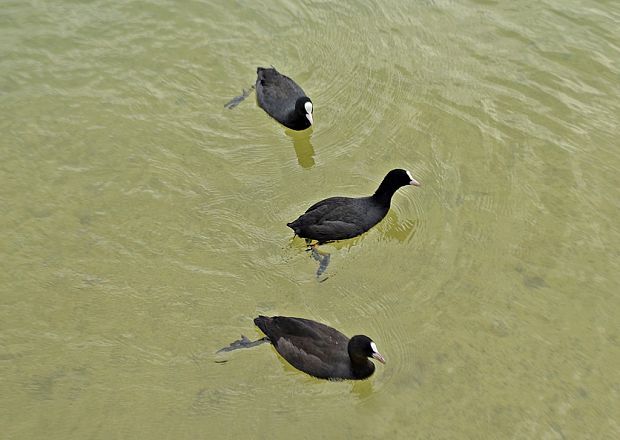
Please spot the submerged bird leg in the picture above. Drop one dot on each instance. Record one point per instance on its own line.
(324, 262)
(244, 342)
(320, 256)
(237, 99)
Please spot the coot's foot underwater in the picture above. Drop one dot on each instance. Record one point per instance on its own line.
(322, 257)
(237, 99)
(244, 342)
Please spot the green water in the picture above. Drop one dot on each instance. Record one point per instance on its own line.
(143, 225)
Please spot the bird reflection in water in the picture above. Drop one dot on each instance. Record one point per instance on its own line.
(303, 147)
(400, 230)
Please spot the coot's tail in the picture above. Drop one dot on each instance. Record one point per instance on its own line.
(263, 71)
(294, 226)
(262, 322)
(237, 99)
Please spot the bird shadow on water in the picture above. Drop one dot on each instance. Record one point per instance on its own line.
(303, 147)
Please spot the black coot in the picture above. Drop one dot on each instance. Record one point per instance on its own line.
(338, 218)
(320, 350)
(283, 99)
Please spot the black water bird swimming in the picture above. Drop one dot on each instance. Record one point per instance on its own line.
(339, 218)
(317, 349)
(281, 98)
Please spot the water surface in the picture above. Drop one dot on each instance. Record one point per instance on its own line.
(143, 223)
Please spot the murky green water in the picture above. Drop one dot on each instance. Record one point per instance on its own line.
(143, 225)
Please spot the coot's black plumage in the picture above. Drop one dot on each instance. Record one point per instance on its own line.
(338, 218)
(283, 99)
(320, 350)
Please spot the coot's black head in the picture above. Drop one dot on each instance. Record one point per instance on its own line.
(362, 347)
(303, 107)
(391, 182)
(397, 178)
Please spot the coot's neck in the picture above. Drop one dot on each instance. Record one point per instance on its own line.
(297, 120)
(361, 367)
(384, 193)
